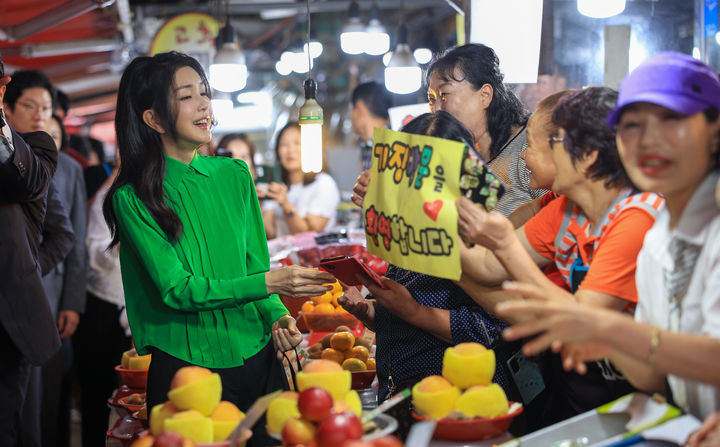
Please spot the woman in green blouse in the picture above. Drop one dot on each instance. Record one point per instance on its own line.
(193, 249)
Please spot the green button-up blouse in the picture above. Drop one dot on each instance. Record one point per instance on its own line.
(202, 299)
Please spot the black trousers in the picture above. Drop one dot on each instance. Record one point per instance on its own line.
(98, 345)
(242, 385)
(14, 376)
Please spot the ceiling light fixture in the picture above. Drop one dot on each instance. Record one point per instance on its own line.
(402, 74)
(311, 118)
(228, 72)
(377, 40)
(600, 9)
(353, 35)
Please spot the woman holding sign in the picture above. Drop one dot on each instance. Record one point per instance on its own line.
(417, 317)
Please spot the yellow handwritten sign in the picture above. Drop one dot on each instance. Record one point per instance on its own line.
(409, 209)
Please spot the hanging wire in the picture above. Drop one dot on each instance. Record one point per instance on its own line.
(307, 3)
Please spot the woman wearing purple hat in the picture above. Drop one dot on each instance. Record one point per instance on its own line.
(667, 134)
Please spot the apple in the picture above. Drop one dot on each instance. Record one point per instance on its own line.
(338, 428)
(297, 431)
(315, 404)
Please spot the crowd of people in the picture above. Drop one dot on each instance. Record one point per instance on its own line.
(603, 248)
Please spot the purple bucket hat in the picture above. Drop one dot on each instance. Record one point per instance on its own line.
(673, 80)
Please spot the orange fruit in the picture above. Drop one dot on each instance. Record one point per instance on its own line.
(324, 298)
(336, 288)
(371, 364)
(324, 308)
(342, 341)
(308, 307)
(333, 355)
(353, 364)
(360, 352)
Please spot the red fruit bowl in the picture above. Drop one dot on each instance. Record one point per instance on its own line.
(130, 407)
(362, 379)
(133, 378)
(473, 429)
(329, 321)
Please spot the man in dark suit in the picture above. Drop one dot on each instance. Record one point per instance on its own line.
(28, 104)
(28, 334)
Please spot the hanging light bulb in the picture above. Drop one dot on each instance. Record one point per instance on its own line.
(228, 73)
(600, 9)
(402, 74)
(353, 35)
(377, 40)
(311, 121)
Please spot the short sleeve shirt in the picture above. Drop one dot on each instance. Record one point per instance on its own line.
(561, 232)
(319, 198)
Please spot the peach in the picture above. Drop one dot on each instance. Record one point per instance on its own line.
(335, 382)
(188, 374)
(354, 404)
(468, 364)
(225, 418)
(435, 397)
(322, 366)
(298, 431)
(483, 401)
(280, 410)
(195, 388)
(191, 424)
(158, 415)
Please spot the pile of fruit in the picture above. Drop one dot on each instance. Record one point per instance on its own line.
(314, 418)
(464, 391)
(131, 360)
(194, 410)
(341, 347)
(326, 303)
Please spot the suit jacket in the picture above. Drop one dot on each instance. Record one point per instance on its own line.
(24, 310)
(66, 282)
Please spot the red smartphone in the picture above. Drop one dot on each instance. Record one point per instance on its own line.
(345, 268)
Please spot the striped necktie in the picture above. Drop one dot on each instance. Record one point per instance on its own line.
(677, 279)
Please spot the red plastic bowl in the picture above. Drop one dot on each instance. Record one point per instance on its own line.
(472, 429)
(362, 379)
(130, 407)
(133, 378)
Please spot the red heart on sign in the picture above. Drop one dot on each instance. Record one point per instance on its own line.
(432, 209)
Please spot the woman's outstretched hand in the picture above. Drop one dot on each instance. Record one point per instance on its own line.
(476, 225)
(353, 302)
(298, 282)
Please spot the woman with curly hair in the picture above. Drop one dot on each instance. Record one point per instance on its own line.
(592, 233)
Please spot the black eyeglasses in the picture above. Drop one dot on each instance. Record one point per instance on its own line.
(555, 139)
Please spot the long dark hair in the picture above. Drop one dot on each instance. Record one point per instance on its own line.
(308, 177)
(146, 84)
(479, 65)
